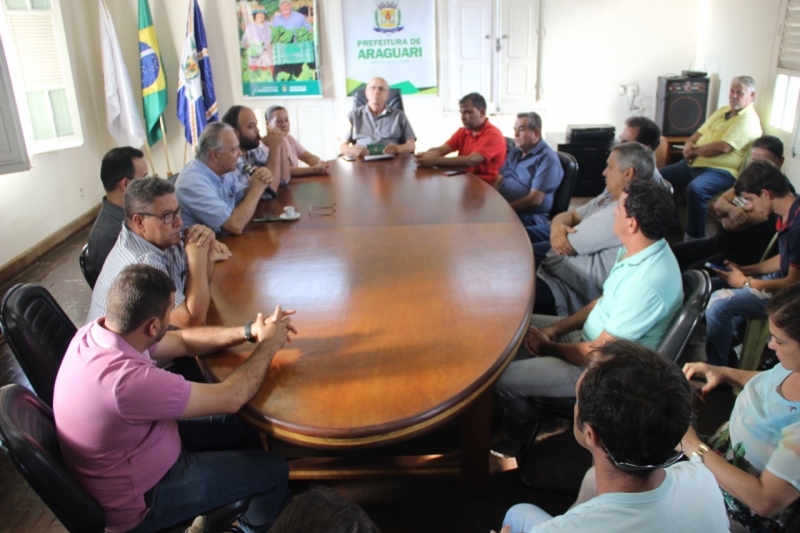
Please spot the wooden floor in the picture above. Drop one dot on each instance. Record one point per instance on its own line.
(396, 505)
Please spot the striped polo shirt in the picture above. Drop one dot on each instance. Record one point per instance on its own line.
(132, 249)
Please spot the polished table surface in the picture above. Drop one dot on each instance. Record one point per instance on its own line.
(410, 298)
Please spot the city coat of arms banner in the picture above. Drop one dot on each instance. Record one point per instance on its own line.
(393, 39)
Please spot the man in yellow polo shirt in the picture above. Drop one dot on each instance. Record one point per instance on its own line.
(713, 156)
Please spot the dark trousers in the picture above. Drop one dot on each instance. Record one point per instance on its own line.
(222, 461)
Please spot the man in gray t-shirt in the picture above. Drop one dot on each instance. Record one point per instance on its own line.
(377, 123)
(584, 247)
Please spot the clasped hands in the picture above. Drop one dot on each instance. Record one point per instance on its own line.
(274, 328)
(537, 339)
(203, 237)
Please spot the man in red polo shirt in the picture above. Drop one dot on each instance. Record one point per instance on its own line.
(481, 147)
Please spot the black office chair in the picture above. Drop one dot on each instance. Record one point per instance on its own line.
(395, 99)
(696, 292)
(90, 272)
(28, 437)
(563, 195)
(38, 332)
(509, 144)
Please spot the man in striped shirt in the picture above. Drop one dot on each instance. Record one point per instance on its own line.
(151, 235)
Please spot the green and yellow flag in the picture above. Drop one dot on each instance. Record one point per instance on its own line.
(154, 79)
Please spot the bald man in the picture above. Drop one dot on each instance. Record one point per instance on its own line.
(377, 123)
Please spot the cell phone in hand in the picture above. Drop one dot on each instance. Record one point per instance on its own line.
(717, 267)
(739, 201)
(348, 158)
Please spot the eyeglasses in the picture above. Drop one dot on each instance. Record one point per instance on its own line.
(166, 218)
(321, 210)
(622, 465)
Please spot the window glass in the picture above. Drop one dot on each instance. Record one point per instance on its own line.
(61, 113)
(42, 123)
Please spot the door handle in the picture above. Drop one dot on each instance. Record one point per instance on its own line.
(498, 46)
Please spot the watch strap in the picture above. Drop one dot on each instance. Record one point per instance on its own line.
(248, 334)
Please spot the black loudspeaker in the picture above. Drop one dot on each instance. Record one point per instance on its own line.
(681, 104)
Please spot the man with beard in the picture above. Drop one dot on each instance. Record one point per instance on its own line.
(152, 448)
(268, 152)
(208, 191)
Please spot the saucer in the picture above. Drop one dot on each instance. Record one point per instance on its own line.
(284, 216)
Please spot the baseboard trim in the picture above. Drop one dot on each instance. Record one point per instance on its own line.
(27, 258)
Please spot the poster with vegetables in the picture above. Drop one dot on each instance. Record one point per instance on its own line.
(278, 42)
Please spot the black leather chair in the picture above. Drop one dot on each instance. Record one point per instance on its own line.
(90, 272)
(696, 292)
(38, 332)
(395, 99)
(28, 437)
(563, 195)
(509, 144)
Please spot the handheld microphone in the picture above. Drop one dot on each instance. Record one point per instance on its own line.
(249, 169)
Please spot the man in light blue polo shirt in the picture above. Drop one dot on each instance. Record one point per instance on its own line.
(641, 298)
(209, 192)
(531, 174)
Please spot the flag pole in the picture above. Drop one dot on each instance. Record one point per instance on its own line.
(185, 146)
(166, 147)
(150, 158)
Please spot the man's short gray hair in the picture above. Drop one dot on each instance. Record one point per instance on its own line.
(534, 120)
(211, 139)
(142, 193)
(269, 114)
(745, 81)
(636, 156)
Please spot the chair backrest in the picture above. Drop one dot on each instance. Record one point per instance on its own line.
(28, 437)
(696, 292)
(38, 332)
(563, 195)
(395, 99)
(510, 145)
(89, 270)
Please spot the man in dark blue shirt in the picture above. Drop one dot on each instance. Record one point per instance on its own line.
(531, 174)
(766, 191)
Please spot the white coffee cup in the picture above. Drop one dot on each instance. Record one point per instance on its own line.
(289, 211)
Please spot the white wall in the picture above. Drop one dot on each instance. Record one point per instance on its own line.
(591, 47)
(62, 185)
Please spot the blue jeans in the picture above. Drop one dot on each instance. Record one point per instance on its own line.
(222, 461)
(726, 310)
(701, 184)
(524, 516)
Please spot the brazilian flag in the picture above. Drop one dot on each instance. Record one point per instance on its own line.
(154, 79)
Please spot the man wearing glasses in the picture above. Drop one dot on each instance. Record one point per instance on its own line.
(531, 174)
(632, 409)
(209, 191)
(152, 236)
(119, 168)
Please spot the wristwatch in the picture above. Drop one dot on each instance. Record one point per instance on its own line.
(698, 455)
(248, 335)
(746, 284)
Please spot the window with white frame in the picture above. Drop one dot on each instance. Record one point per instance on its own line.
(32, 32)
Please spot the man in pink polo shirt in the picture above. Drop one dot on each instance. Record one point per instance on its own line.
(481, 147)
(143, 441)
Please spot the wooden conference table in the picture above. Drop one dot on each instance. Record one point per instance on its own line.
(412, 293)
